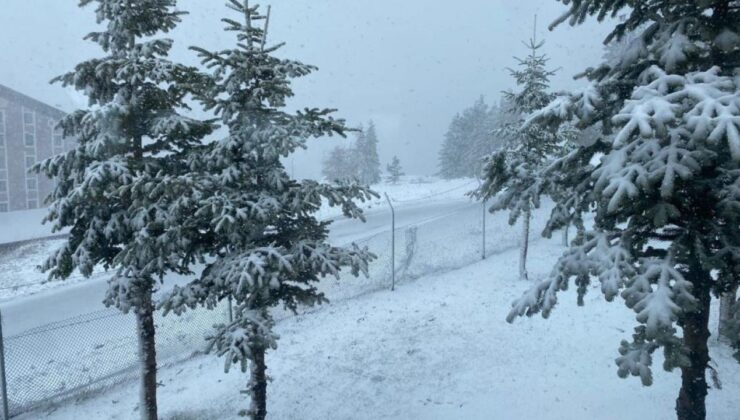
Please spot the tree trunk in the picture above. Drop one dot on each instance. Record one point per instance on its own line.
(525, 245)
(565, 235)
(690, 404)
(726, 310)
(147, 356)
(258, 384)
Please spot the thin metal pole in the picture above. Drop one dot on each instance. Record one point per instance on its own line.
(3, 379)
(483, 256)
(393, 243)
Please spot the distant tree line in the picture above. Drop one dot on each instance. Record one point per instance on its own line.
(470, 137)
(359, 161)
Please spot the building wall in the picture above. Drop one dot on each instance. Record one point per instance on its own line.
(29, 137)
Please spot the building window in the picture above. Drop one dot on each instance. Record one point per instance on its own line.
(2, 128)
(30, 157)
(29, 128)
(28, 117)
(57, 138)
(3, 207)
(3, 186)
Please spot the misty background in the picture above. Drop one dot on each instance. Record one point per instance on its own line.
(409, 66)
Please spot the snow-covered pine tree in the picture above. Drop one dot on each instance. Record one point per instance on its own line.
(467, 139)
(395, 172)
(510, 175)
(265, 245)
(339, 165)
(479, 141)
(453, 147)
(665, 186)
(366, 155)
(117, 191)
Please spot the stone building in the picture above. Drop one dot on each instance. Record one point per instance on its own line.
(27, 136)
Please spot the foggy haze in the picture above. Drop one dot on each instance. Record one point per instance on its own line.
(409, 66)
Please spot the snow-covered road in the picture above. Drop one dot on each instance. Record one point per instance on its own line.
(84, 297)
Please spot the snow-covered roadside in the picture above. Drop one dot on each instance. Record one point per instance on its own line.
(23, 225)
(436, 348)
(19, 272)
(410, 191)
(19, 275)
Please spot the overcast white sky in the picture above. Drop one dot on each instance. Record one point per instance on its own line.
(408, 65)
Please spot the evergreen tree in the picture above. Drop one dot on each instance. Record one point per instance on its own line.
(453, 148)
(117, 191)
(395, 172)
(468, 138)
(366, 156)
(664, 181)
(339, 165)
(265, 247)
(510, 175)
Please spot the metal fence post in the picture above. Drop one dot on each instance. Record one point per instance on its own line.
(3, 378)
(483, 254)
(393, 243)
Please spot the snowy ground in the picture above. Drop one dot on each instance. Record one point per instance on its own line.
(61, 341)
(23, 225)
(411, 191)
(436, 348)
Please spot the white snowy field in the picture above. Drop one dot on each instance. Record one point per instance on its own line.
(436, 348)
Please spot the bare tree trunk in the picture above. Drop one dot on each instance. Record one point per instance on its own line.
(565, 235)
(690, 404)
(147, 356)
(258, 384)
(726, 310)
(524, 245)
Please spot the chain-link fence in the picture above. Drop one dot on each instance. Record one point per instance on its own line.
(436, 244)
(79, 356)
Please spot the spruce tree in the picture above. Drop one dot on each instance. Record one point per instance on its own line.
(453, 148)
(339, 165)
(265, 246)
(366, 158)
(395, 172)
(664, 180)
(510, 175)
(117, 190)
(469, 137)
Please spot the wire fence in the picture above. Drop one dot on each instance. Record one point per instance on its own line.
(81, 355)
(77, 357)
